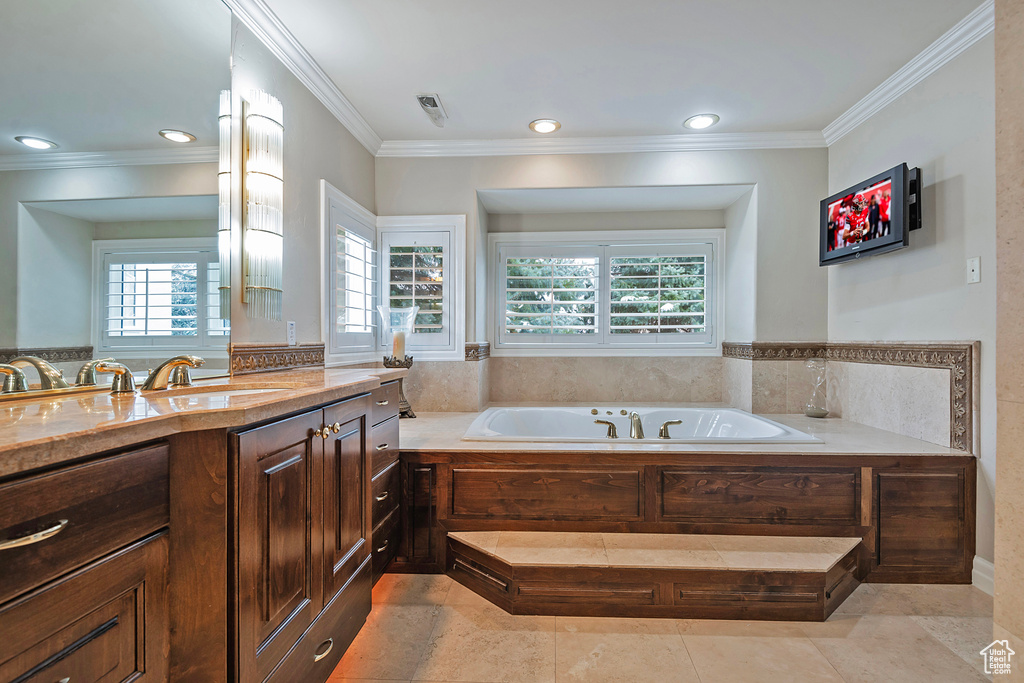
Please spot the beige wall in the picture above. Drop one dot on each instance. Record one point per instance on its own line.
(611, 220)
(1009, 532)
(790, 301)
(945, 125)
(316, 146)
(167, 180)
(131, 230)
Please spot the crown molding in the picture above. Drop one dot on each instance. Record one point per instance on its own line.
(259, 19)
(694, 142)
(970, 30)
(136, 157)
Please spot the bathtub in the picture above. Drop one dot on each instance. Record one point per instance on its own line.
(576, 425)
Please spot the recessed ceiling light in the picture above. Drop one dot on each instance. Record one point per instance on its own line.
(544, 126)
(178, 135)
(701, 121)
(36, 143)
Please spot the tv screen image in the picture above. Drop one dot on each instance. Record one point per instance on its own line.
(860, 216)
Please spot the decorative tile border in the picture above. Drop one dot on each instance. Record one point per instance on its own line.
(957, 357)
(249, 358)
(478, 350)
(57, 354)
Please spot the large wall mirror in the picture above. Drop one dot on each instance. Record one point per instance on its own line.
(108, 242)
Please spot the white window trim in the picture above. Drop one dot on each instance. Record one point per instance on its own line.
(454, 286)
(362, 217)
(100, 248)
(625, 238)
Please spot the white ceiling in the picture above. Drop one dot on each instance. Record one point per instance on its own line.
(107, 75)
(607, 199)
(607, 67)
(130, 209)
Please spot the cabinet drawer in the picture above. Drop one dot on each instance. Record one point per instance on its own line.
(385, 402)
(384, 441)
(107, 622)
(79, 514)
(385, 544)
(321, 647)
(385, 492)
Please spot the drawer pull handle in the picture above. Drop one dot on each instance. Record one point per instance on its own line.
(383, 403)
(34, 538)
(336, 427)
(319, 432)
(382, 447)
(383, 547)
(382, 497)
(321, 653)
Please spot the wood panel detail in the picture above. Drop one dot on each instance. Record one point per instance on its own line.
(921, 519)
(779, 496)
(547, 493)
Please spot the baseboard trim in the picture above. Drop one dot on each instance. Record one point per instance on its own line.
(983, 576)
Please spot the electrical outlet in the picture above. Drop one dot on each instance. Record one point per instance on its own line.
(291, 333)
(974, 270)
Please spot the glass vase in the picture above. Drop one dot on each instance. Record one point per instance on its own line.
(815, 406)
(396, 329)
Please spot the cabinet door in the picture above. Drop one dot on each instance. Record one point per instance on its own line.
(279, 490)
(346, 493)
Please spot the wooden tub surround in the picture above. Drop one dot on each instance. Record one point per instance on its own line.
(911, 516)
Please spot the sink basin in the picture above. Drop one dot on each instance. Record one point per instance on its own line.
(222, 390)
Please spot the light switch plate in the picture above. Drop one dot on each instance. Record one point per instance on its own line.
(291, 333)
(974, 270)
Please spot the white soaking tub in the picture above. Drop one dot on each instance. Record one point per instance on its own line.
(576, 425)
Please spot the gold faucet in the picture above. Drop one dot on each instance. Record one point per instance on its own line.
(663, 432)
(14, 379)
(87, 374)
(49, 376)
(636, 428)
(123, 382)
(174, 372)
(612, 434)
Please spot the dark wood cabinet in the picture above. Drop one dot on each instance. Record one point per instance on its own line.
(386, 478)
(303, 534)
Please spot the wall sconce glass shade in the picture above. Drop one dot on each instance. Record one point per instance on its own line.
(224, 205)
(263, 233)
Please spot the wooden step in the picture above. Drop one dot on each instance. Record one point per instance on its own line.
(681, 576)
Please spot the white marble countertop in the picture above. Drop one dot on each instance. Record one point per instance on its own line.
(442, 432)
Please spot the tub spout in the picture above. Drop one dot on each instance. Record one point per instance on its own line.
(636, 428)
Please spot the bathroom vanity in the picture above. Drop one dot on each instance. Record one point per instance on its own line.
(222, 532)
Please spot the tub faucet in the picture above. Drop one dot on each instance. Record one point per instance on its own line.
(49, 376)
(172, 371)
(636, 428)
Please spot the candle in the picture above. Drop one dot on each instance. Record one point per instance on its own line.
(398, 345)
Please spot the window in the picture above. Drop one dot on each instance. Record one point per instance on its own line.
(350, 316)
(424, 266)
(159, 294)
(606, 291)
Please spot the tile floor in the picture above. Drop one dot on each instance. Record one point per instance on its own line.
(429, 628)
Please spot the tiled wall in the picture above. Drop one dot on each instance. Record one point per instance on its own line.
(737, 382)
(907, 400)
(447, 386)
(599, 379)
(780, 386)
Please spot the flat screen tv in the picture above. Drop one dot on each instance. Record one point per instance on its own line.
(871, 217)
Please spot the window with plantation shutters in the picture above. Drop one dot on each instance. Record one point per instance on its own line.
(352, 263)
(553, 292)
(152, 298)
(423, 265)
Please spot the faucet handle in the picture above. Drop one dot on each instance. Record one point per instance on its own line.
(123, 382)
(179, 377)
(663, 432)
(87, 374)
(14, 379)
(612, 433)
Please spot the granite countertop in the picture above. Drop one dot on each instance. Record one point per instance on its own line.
(42, 431)
(442, 432)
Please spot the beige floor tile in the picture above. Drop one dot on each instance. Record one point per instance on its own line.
(907, 660)
(485, 540)
(460, 595)
(411, 589)
(739, 659)
(479, 644)
(390, 644)
(523, 547)
(966, 636)
(784, 544)
(727, 627)
(664, 558)
(766, 560)
(878, 626)
(941, 601)
(656, 542)
(614, 650)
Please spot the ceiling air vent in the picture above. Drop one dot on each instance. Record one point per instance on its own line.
(432, 105)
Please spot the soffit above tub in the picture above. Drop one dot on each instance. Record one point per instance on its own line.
(186, 208)
(611, 199)
(608, 69)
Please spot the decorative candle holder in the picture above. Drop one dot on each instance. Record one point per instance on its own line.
(395, 332)
(815, 406)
